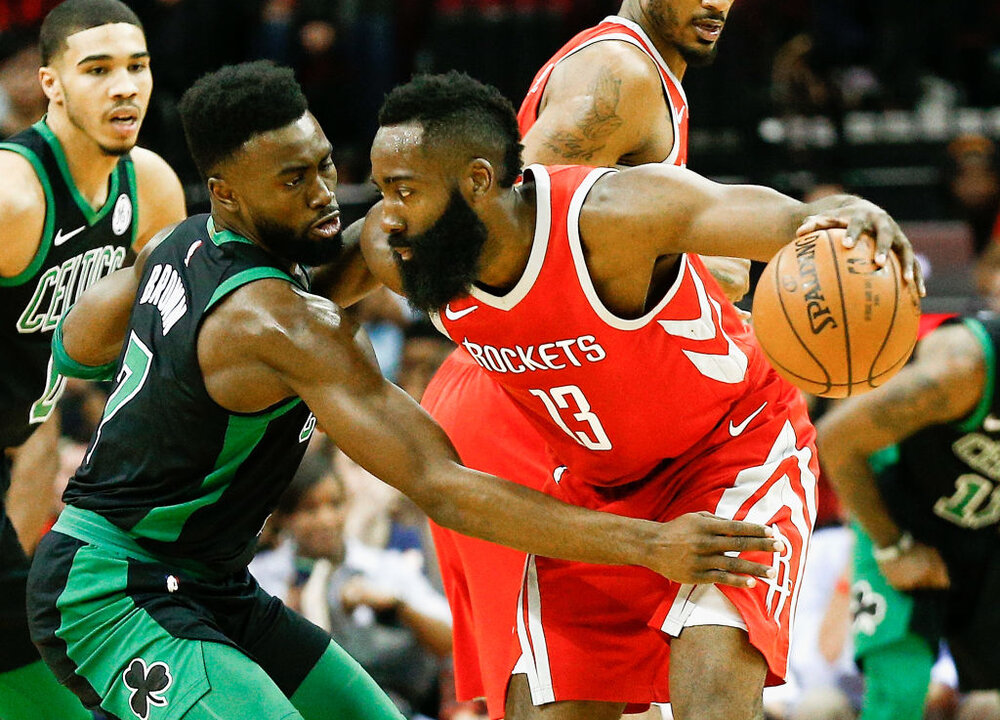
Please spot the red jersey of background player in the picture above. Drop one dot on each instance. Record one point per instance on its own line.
(616, 28)
(601, 389)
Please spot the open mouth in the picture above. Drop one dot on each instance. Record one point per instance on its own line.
(709, 30)
(125, 120)
(328, 226)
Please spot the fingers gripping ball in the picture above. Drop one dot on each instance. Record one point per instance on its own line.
(830, 320)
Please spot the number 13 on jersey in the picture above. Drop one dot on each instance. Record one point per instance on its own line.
(571, 399)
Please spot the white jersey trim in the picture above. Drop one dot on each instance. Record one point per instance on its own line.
(583, 273)
(539, 246)
(534, 659)
(655, 56)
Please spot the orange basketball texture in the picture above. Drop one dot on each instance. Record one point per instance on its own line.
(831, 321)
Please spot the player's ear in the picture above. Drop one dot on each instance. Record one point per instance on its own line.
(51, 86)
(222, 192)
(481, 177)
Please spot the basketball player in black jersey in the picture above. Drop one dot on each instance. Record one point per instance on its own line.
(917, 462)
(77, 199)
(225, 365)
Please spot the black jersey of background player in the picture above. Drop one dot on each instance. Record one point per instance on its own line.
(943, 483)
(79, 246)
(187, 479)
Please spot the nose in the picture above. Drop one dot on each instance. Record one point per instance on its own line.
(391, 222)
(324, 194)
(124, 85)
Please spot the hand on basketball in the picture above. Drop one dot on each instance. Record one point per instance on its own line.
(695, 548)
(919, 567)
(862, 217)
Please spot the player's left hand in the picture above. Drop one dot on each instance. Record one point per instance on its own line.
(862, 217)
(919, 567)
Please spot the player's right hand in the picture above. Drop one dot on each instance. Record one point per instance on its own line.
(695, 549)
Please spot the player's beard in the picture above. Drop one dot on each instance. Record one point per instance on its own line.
(446, 258)
(668, 24)
(288, 244)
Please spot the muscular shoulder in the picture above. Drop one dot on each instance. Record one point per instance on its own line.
(600, 104)
(161, 196)
(619, 65)
(954, 357)
(268, 340)
(22, 207)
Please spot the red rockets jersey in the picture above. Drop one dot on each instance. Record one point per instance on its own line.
(616, 28)
(614, 398)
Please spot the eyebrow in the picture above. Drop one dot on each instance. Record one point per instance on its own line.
(99, 58)
(390, 179)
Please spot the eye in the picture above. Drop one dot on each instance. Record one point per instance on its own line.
(297, 180)
(404, 192)
(97, 70)
(326, 164)
(138, 67)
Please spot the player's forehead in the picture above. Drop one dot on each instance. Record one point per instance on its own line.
(402, 151)
(109, 41)
(300, 143)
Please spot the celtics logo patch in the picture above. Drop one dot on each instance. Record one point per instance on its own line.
(867, 607)
(147, 685)
(121, 216)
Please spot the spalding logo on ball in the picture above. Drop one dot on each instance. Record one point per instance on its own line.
(831, 321)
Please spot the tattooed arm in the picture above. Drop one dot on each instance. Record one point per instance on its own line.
(943, 384)
(601, 105)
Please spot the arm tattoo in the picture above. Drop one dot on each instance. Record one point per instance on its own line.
(593, 124)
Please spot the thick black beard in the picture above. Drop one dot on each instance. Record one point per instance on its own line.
(446, 258)
(287, 244)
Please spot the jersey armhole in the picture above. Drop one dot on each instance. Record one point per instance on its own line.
(46, 240)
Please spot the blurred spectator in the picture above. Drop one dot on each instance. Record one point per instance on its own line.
(384, 315)
(973, 183)
(376, 603)
(424, 349)
(22, 101)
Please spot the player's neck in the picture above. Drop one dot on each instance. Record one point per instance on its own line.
(668, 51)
(89, 166)
(511, 228)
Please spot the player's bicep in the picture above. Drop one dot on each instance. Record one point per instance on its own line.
(672, 210)
(598, 108)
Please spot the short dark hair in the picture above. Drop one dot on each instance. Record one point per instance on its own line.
(225, 108)
(460, 112)
(73, 16)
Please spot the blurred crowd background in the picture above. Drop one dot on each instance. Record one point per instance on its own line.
(896, 101)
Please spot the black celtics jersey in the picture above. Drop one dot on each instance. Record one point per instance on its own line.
(184, 478)
(79, 245)
(943, 483)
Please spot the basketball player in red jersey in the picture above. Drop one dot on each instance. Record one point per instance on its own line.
(576, 292)
(611, 96)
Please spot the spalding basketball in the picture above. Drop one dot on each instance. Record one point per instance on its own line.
(830, 320)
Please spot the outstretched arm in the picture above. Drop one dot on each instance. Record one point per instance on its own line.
(942, 385)
(300, 344)
(671, 210)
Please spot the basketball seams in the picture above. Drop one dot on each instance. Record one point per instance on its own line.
(791, 324)
(892, 320)
(843, 310)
